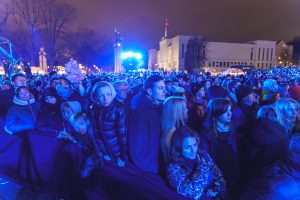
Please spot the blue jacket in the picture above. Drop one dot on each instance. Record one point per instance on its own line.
(21, 116)
(144, 133)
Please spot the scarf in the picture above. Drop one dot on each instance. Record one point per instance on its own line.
(222, 128)
(23, 103)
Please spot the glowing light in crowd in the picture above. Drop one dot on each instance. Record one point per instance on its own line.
(130, 54)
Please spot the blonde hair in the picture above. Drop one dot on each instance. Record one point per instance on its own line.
(174, 113)
(282, 105)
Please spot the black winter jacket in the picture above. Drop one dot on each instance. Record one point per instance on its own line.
(111, 127)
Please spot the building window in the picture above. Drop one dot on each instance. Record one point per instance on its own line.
(227, 64)
(257, 65)
(270, 65)
(262, 65)
(182, 50)
(258, 53)
(221, 64)
(213, 64)
(271, 54)
(224, 64)
(251, 56)
(267, 54)
(263, 54)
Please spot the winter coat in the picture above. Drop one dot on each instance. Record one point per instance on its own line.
(224, 151)
(279, 182)
(6, 100)
(269, 143)
(111, 128)
(21, 116)
(144, 133)
(195, 179)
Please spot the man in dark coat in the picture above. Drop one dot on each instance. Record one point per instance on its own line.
(7, 96)
(144, 125)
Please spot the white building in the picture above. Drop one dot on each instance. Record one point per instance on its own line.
(259, 53)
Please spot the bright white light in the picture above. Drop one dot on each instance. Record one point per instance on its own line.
(131, 54)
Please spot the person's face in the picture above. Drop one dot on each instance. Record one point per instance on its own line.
(80, 126)
(158, 92)
(104, 96)
(24, 95)
(122, 91)
(5, 87)
(169, 87)
(200, 111)
(251, 98)
(190, 148)
(50, 100)
(201, 93)
(55, 83)
(291, 113)
(176, 84)
(225, 117)
(19, 81)
(68, 112)
(64, 83)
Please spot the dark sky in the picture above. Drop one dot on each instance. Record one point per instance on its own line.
(142, 21)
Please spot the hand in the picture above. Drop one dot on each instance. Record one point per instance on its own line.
(107, 158)
(120, 162)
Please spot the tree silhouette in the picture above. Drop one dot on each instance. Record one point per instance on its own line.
(195, 54)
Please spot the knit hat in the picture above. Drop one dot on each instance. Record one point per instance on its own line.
(102, 84)
(294, 92)
(216, 91)
(196, 87)
(242, 91)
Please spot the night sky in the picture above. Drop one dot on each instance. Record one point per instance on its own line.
(142, 21)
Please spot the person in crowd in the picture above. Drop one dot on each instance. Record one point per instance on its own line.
(169, 87)
(137, 86)
(268, 142)
(22, 116)
(7, 96)
(283, 90)
(110, 122)
(221, 142)
(281, 180)
(196, 117)
(122, 90)
(50, 116)
(287, 109)
(68, 109)
(269, 92)
(192, 173)
(66, 92)
(37, 89)
(216, 91)
(144, 125)
(231, 88)
(294, 93)
(174, 115)
(198, 94)
(6, 85)
(83, 136)
(54, 82)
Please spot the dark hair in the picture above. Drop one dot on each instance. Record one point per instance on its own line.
(216, 107)
(18, 89)
(177, 142)
(53, 79)
(232, 84)
(15, 75)
(52, 73)
(151, 80)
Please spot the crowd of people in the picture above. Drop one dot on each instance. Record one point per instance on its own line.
(208, 137)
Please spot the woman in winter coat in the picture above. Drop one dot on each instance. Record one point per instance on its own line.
(109, 120)
(22, 115)
(191, 172)
(220, 141)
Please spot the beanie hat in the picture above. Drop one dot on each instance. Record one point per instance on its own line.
(242, 91)
(196, 87)
(216, 91)
(294, 92)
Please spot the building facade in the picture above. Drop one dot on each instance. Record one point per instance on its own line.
(258, 53)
